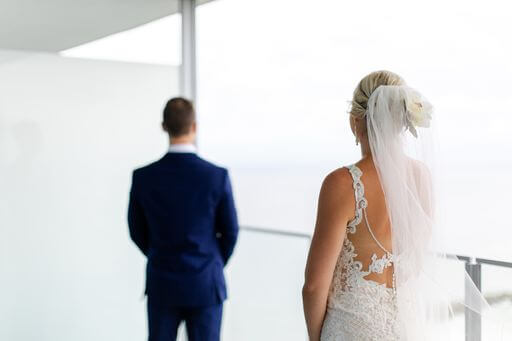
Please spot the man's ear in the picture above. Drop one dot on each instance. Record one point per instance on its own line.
(193, 128)
(164, 127)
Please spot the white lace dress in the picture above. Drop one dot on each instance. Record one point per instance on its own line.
(359, 309)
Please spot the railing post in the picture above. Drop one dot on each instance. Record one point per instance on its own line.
(473, 320)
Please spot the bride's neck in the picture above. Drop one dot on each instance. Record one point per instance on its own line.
(366, 151)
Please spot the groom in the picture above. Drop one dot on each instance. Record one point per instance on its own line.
(182, 217)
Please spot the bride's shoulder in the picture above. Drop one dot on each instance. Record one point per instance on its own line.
(336, 188)
(338, 180)
(420, 169)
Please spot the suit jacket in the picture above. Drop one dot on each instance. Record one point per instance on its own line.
(182, 217)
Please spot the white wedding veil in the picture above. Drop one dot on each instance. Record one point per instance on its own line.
(404, 154)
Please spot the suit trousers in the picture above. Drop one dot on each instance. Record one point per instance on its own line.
(201, 323)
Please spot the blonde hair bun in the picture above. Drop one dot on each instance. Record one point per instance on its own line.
(367, 86)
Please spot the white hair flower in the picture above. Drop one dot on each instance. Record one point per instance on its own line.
(418, 113)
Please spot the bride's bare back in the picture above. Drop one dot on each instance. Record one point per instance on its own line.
(363, 241)
(361, 304)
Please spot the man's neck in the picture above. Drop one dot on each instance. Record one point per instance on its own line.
(180, 140)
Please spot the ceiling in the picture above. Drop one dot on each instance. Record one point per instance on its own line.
(56, 25)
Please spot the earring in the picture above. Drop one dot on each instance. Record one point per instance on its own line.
(357, 137)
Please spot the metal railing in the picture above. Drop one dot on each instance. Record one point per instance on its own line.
(472, 319)
(473, 266)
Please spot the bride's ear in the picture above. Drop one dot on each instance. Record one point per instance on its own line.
(353, 124)
(358, 125)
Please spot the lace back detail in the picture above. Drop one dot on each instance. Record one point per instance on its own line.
(361, 201)
(360, 308)
(377, 265)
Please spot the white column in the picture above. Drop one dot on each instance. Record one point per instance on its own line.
(188, 49)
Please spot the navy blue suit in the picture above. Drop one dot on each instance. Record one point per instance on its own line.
(182, 217)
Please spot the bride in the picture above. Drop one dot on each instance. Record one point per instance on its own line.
(371, 272)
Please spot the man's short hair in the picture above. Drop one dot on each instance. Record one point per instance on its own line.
(179, 115)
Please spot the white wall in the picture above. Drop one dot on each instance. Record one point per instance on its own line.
(71, 131)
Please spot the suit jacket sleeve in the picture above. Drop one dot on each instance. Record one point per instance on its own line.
(226, 220)
(137, 221)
